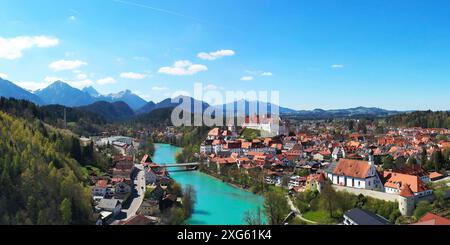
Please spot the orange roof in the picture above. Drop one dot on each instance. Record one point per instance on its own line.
(435, 175)
(102, 183)
(406, 191)
(352, 168)
(394, 180)
(432, 219)
(318, 177)
(214, 132)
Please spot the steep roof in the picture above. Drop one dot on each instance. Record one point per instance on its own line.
(214, 132)
(352, 168)
(432, 219)
(398, 180)
(406, 191)
(365, 217)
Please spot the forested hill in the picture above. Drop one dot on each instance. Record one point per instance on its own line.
(78, 121)
(424, 119)
(40, 183)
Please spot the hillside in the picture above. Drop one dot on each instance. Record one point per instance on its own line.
(424, 119)
(116, 111)
(39, 182)
(10, 90)
(157, 118)
(79, 122)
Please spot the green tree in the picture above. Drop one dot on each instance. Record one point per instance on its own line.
(189, 199)
(421, 209)
(388, 162)
(329, 199)
(66, 211)
(276, 207)
(411, 161)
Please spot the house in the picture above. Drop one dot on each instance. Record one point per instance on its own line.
(432, 219)
(138, 220)
(214, 133)
(338, 153)
(100, 188)
(355, 173)
(359, 216)
(150, 176)
(206, 147)
(395, 181)
(110, 205)
(149, 208)
(315, 182)
(123, 187)
(435, 176)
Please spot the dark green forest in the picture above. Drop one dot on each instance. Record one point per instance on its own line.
(40, 181)
(424, 119)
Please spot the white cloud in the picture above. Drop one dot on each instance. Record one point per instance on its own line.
(106, 80)
(133, 75)
(259, 73)
(157, 88)
(81, 76)
(118, 59)
(62, 65)
(247, 78)
(81, 84)
(183, 68)
(72, 18)
(50, 80)
(12, 48)
(32, 85)
(3, 75)
(216, 55)
(337, 66)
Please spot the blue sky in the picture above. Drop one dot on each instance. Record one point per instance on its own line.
(317, 53)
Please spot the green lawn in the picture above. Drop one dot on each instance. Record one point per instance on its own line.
(250, 134)
(320, 216)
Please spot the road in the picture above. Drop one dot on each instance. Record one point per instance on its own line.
(138, 192)
(297, 212)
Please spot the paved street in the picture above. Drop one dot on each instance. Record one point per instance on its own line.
(137, 194)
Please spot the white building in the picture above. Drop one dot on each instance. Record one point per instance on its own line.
(269, 126)
(355, 174)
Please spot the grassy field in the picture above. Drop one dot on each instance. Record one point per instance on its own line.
(320, 216)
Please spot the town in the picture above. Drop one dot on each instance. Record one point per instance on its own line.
(402, 165)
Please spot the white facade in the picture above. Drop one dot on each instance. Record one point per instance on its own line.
(371, 182)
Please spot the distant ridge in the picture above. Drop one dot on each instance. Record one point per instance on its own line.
(10, 90)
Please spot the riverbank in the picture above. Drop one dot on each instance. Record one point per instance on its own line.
(218, 202)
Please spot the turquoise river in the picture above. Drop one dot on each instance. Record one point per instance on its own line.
(217, 203)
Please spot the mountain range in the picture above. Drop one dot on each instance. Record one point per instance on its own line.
(10, 90)
(109, 106)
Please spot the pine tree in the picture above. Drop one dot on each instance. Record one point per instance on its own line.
(66, 211)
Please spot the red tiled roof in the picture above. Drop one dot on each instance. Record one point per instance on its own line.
(413, 181)
(136, 220)
(406, 191)
(435, 175)
(352, 168)
(102, 183)
(214, 132)
(432, 219)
